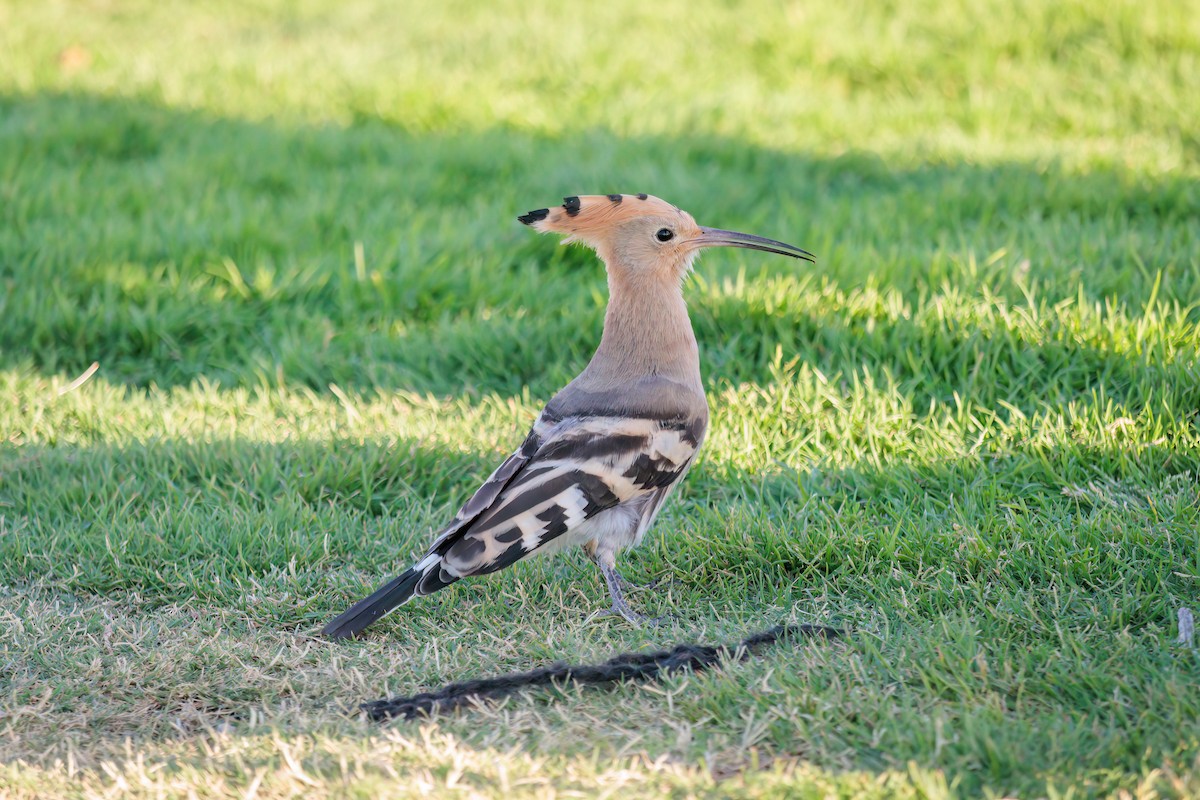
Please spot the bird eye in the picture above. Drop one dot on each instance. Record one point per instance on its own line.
(664, 235)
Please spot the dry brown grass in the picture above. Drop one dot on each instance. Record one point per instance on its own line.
(113, 700)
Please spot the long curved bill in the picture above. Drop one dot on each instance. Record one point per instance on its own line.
(715, 237)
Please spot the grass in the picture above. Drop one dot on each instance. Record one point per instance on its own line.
(284, 232)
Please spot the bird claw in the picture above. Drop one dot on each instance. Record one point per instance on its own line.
(632, 617)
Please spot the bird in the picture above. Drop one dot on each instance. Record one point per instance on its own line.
(606, 450)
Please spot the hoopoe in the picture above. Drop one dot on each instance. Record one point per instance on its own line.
(608, 449)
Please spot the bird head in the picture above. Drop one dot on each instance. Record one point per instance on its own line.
(642, 232)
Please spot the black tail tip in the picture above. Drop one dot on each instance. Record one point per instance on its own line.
(533, 216)
(335, 631)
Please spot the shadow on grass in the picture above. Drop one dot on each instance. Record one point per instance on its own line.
(203, 522)
(1013, 598)
(171, 245)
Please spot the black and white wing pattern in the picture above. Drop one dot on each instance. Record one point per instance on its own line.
(566, 472)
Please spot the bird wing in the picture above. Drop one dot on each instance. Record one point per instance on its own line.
(578, 467)
(486, 494)
(565, 472)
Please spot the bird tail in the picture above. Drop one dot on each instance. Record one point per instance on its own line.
(423, 578)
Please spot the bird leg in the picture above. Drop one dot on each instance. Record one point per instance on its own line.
(619, 606)
(623, 583)
(607, 562)
(617, 586)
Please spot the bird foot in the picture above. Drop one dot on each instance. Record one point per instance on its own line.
(632, 617)
(611, 576)
(660, 583)
(619, 607)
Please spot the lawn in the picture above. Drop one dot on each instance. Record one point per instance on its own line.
(284, 233)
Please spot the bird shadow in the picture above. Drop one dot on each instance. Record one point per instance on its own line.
(172, 246)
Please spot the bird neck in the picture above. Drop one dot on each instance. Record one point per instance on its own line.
(647, 332)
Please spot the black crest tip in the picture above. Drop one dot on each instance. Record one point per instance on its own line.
(616, 198)
(642, 196)
(534, 216)
(571, 204)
